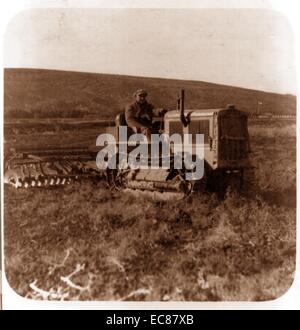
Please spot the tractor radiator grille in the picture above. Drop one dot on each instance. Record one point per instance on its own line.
(233, 135)
(231, 149)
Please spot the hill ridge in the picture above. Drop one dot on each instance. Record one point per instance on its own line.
(48, 93)
(150, 77)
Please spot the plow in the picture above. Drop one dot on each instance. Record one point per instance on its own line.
(54, 167)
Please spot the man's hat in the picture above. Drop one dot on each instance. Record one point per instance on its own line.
(140, 92)
(230, 107)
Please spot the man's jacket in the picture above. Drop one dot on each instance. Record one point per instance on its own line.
(139, 115)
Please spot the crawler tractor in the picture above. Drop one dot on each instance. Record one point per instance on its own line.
(226, 156)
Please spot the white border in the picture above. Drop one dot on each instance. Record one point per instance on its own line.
(291, 299)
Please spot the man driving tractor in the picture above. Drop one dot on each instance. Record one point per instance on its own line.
(139, 114)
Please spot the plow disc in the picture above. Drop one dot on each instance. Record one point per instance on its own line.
(48, 168)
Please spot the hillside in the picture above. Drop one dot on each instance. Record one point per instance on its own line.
(36, 93)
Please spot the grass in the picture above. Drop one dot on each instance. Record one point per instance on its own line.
(84, 242)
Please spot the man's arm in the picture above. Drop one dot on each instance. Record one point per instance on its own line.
(159, 112)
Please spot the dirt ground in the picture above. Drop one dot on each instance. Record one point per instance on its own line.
(84, 242)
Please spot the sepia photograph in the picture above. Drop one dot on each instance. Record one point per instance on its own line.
(149, 154)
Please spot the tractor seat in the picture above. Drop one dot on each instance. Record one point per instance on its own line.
(120, 119)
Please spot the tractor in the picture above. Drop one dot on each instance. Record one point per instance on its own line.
(226, 148)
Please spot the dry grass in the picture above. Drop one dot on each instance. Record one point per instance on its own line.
(84, 242)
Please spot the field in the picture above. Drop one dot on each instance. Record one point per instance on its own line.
(84, 242)
(127, 247)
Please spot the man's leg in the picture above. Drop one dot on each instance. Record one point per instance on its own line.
(147, 132)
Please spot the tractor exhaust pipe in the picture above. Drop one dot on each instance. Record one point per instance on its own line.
(180, 106)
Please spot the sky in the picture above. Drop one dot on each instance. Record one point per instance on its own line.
(249, 48)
